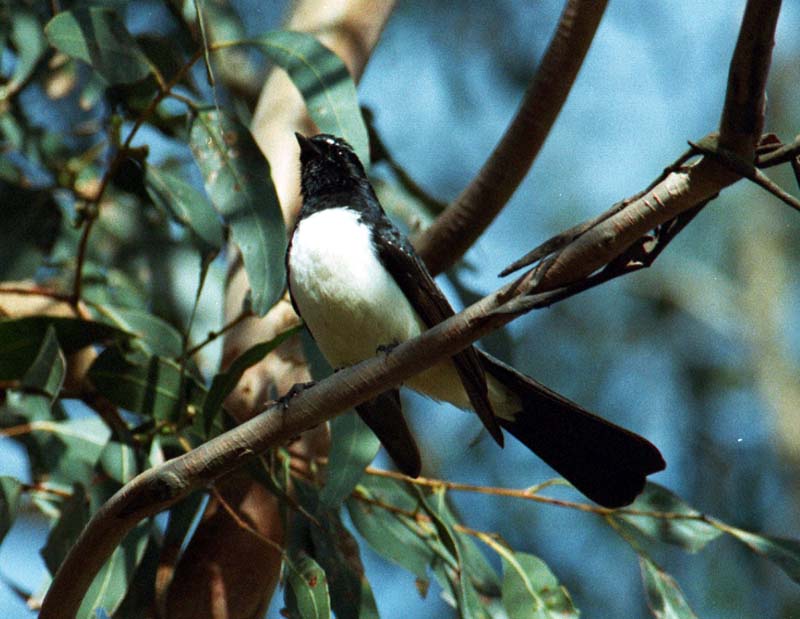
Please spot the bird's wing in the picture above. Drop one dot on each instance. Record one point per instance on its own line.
(429, 302)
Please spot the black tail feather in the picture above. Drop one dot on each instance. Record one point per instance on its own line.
(384, 416)
(605, 462)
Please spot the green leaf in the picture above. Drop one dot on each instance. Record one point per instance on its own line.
(153, 388)
(110, 585)
(21, 339)
(353, 447)
(10, 490)
(323, 80)
(29, 43)
(187, 205)
(63, 451)
(453, 571)
(118, 461)
(46, 373)
(99, 37)
(36, 223)
(224, 382)
(664, 596)
(531, 590)
(785, 553)
(689, 533)
(337, 553)
(155, 334)
(237, 179)
(73, 517)
(306, 595)
(475, 563)
(393, 535)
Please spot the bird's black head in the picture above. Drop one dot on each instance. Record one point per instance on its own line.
(328, 165)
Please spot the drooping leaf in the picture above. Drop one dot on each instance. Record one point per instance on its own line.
(388, 531)
(224, 382)
(99, 37)
(337, 553)
(10, 490)
(30, 44)
(531, 590)
(110, 585)
(480, 571)
(46, 373)
(153, 387)
(118, 461)
(306, 595)
(74, 516)
(785, 553)
(664, 596)
(21, 339)
(237, 179)
(325, 83)
(451, 574)
(691, 533)
(187, 205)
(155, 334)
(36, 225)
(353, 447)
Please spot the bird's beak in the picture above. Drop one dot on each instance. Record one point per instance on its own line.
(307, 147)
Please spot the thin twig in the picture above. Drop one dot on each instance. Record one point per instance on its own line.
(212, 335)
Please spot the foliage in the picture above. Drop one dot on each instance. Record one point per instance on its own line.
(96, 225)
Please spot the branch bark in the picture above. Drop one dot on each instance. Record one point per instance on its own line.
(455, 230)
(682, 190)
(161, 487)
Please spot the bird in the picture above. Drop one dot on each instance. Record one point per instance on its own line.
(360, 288)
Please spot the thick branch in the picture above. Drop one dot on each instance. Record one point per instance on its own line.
(454, 232)
(161, 487)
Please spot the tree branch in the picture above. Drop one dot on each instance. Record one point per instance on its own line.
(455, 230)
(161, 487)
(692, 185)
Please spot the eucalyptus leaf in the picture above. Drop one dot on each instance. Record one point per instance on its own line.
(237, 179)
(63, 451)
(531, 590)
(10, 490)
(323, 80)
(74, 514)
(690, 532)
(153, 387)
(98, 37)
(110, 585)
(337, 553)
(785, 553)
(118, 461)
(30, 45)
(664, 596)
(224, 382)
(187, 205)
(21, 339)
(156, 335)
(353, 447)
(389, 532)
(46, 373)
(461, 587)
(306, 594)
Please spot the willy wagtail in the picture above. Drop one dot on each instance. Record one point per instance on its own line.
(360, 288)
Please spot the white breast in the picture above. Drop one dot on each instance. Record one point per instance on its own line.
(353, 306)
(349, 302)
